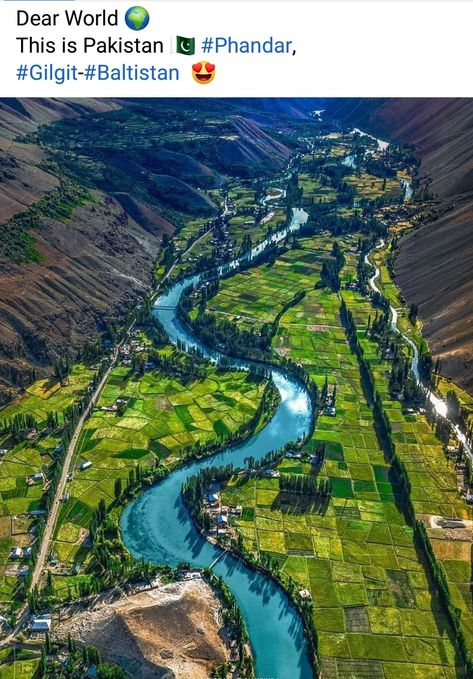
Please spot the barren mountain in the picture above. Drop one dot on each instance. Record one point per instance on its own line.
(251, 144)
(89, 258)
(434, 264)
(93, 264)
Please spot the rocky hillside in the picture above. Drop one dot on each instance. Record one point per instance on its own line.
(434, 264)
(87, 189)
(91, 264)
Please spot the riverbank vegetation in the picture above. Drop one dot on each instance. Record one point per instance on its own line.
(358, 558)
(161, 421)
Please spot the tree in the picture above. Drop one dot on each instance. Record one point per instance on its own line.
(43, 664)
(117, 488)
(413, 311)
(71, 644)
(47, 644)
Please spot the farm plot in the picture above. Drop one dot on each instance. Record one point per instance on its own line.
(374, 606)
(47, 395)
(253, 298)
(21, 460)
(434, 491)
(162, 420)
(314, 191)
(369, 187)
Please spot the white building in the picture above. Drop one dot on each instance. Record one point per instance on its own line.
(41, 623)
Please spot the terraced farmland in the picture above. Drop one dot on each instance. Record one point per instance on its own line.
(375, 607)
(163, 419)
(22, 460)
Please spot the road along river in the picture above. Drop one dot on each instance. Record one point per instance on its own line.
(158, 527)
(439, 404)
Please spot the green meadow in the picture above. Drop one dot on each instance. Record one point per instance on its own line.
(375, 607)
(24, 459)
(163, 419)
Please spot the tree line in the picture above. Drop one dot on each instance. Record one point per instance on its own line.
(305, 484)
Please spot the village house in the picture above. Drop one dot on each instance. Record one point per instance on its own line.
(35, 479)
(16, 553)
(41, 623)
(213, 498)
(305, 594)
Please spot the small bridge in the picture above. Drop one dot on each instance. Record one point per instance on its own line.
(218, 558)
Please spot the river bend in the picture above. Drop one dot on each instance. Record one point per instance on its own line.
(158, 527)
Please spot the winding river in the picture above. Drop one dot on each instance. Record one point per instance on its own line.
(158, 527)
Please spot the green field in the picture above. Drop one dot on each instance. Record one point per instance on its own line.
(18, 663)
(375, 608)
(163, 420)
(24, 459)
(254, 297)
(47, 395)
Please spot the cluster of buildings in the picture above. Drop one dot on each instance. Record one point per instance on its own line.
(115, 406)
(219, 514)
(271, 474)
(20, 553)
(329, 406)
(35, 479)
(128, 349)
(191, 575)
(313, 458)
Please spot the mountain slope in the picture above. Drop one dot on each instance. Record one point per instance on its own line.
(434, 264)
(92, 264)
(100, 182)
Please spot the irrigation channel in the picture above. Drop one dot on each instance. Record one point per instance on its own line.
(158, 527)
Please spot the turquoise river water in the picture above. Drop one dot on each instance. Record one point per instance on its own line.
(158, 527)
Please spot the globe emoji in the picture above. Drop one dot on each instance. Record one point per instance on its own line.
(137, 18)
